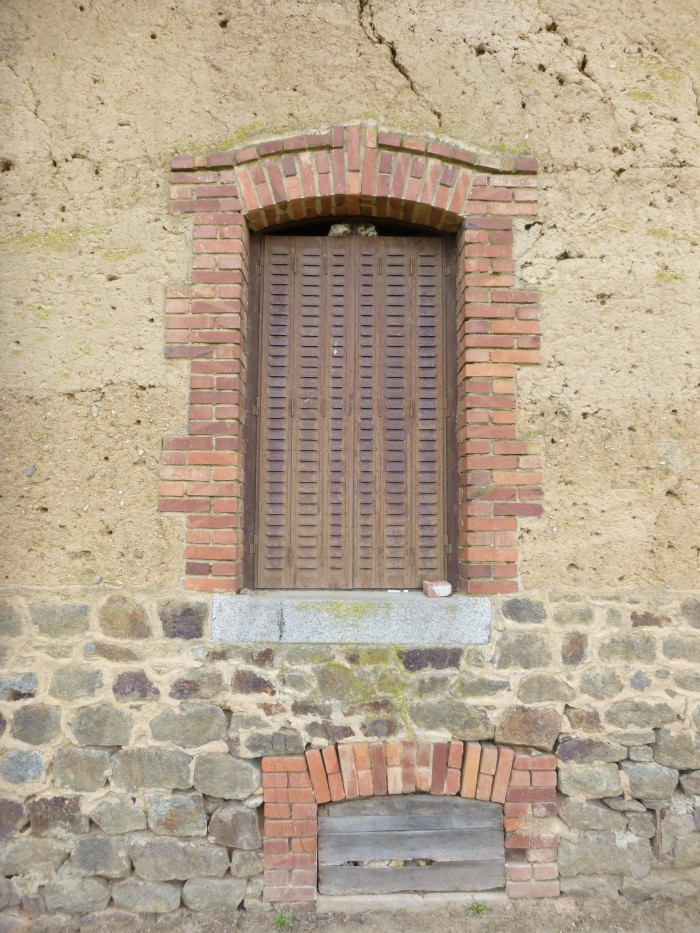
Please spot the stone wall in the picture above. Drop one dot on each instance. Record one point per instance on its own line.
(132, 744)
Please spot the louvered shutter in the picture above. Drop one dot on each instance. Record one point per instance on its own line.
(352, 428)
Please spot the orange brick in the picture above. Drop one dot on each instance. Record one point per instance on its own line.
(319, 779)
(489, 758)
(470, 770)
(501, 779)
(483, 787)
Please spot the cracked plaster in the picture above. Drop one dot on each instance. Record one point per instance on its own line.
(92, 109)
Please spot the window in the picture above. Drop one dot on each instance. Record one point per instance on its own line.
(353, 418)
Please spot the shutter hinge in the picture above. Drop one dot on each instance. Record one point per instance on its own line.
(379, 257)
(256, 409)
(254, 547)
(447, 545)
(259, 264)
(291, 406)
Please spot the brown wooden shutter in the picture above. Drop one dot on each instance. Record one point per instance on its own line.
(352, 428)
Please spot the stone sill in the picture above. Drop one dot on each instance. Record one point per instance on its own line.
(350, 617)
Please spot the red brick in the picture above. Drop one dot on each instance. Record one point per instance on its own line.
(379, 781)
(544, 778)
(502, 775)
(470, 771)
(535, 762)
(531, 794)
(439, 768)
(483, 786)
(548, 871)
(317, 772)
(348, 770)
(516, 889)
(519, 872)
(489, 758)
(408, 765)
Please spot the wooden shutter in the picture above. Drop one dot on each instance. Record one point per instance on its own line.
(352, 423)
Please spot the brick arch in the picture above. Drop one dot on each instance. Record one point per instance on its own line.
(295, 785)
(352, 170)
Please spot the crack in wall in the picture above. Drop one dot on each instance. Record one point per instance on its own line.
(369, 27)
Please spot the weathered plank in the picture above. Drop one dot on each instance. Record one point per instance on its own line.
(485, 875)
(407, 813)
(469, 820)
(444, 845)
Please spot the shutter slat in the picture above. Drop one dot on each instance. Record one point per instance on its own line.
(352, 426)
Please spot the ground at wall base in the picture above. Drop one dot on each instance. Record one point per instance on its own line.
(589, 915)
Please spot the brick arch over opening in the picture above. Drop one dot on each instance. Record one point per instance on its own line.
(294, 786)
(352, 170)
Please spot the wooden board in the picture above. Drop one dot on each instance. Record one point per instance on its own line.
(461, 839)
(444, 845)
(409, 813)
(484, 875)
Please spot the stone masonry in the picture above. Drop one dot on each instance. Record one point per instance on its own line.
(135, 750)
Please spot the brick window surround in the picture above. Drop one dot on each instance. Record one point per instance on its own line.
(352, 170)
(295, 785)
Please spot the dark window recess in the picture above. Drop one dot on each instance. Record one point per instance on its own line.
(388, 845)
(353, 422)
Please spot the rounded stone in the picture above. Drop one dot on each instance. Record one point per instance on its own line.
(245, 863)
(55, 620)
(10, 620)
(202, 683)
(640, 713)
(650, 780)
(20, 767)
(236, 825)
(117, 814)
(123, 617)
(689, 680)
(160, 858)
(36, 724)
(15, 687)
(57, 815)
(81, 769)
(589, 781)
(176, 814)
(537, 727)
(682, 648)
(679, 750)
(539, 688)
(102, 725)
(136, 769)
(213, 894)
(183, 618)
(590, 814)
(226, 777)
(588, 751)
(461, 720)
(522, 650)
(192, 725)
(30, 854)
(76, 894)
(690, 610)
(69, 683)
(146, 897)
(637, 648)
(526, 611)
(602, 853)
(601, 684)
(573, 648)
(691, 783)
(101, 855)
(9, 895)
(133, 686)
(13, 817)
